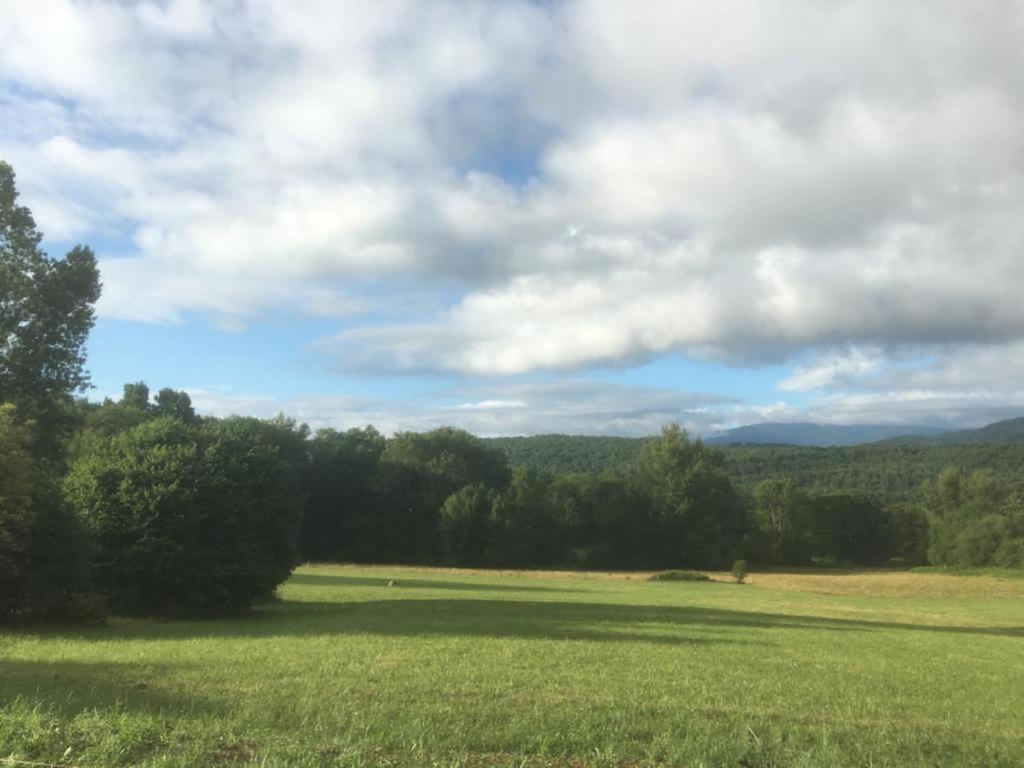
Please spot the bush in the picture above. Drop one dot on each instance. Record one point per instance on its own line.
(679, 576)
(188, 519)
(739, 571)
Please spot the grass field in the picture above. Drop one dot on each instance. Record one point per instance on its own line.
(491, 669)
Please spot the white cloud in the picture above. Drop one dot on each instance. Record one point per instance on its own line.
(583, 182)
(831, 369)
(961, 385)
(489, 405)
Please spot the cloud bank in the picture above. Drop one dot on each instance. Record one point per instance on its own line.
(557, 186)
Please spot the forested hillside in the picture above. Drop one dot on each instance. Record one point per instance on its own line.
(811, 434)
(889, 471)
(1001, 432)
(563, 454)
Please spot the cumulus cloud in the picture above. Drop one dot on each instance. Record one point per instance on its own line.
(580, 183)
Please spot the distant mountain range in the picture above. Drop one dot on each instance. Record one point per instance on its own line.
(809, 434)
(823, 435)
(590, 453)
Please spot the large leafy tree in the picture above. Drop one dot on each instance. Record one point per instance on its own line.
(417, 472)
(781, 512)
(973, 520)
(46, 312)
(344, 518)
(699, 518)
(44, 554)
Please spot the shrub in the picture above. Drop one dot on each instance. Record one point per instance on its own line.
(739, 571)
(679, 576)
(187, 519)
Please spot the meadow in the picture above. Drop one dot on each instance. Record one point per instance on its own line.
(478, 668)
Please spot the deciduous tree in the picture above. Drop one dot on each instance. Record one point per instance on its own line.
(46, 312)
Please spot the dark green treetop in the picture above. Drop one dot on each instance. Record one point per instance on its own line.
(46, 312)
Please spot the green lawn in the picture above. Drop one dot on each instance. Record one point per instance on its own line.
(489, 669)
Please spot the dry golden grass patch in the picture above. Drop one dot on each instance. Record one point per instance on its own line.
(494, 572)
(888, 584)
(868, 583)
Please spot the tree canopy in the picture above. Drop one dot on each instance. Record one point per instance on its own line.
(46, 312)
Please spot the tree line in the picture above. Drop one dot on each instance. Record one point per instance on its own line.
(447, 497)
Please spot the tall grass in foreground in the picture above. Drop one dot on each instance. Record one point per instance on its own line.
(454, 668)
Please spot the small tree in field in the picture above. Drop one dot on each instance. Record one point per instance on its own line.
(739, 571)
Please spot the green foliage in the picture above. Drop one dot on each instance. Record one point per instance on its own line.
(43, 551)
(979, 540)
(569, 454)
(701, 519)
(782, 516)
(171, 402)
(466, 525)
(604, 522)
(451, 457)
(101, 420)
(739, 571)
(526, 529)
(1009, 553)
(888, 471)
(189, 519)
(677, 575)
(136, 395)
(18, 478)
(344, 518)
(907, 533)
(46, 312)
(974, 519)
(847, 528)
(1007, 431)
(675, 505)
(415, 474)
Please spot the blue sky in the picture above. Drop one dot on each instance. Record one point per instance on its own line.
(520, 217)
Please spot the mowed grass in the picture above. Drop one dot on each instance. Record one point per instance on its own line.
(486, 669)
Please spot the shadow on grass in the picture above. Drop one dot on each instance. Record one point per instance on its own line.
(338, 580)
(71, 687)
(597, 622)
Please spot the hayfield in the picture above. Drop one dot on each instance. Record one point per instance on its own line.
(481, 668)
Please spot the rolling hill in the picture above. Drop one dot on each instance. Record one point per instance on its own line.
(806, 433)
(892, 470)
(1009, 431)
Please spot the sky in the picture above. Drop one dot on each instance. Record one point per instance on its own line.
(516, 217)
